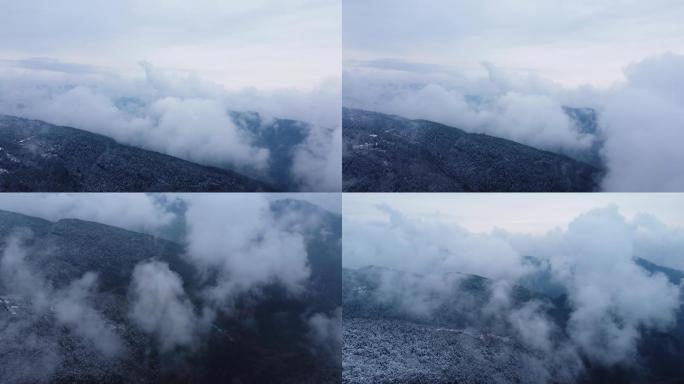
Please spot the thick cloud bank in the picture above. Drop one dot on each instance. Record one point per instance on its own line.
(427, 247)
(644, 128)
(516, 107)
(179, 114)
(639, 120)
(612, 299)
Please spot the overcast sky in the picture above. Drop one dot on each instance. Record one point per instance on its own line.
(514, 212)
(571, 42)
(258, 43)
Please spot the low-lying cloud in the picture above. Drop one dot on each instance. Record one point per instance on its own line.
(639, 119)
(233, 248)
(612, 300)
(182, 115)
(71, 305)
(519, 108)
(317, 163)
(133, 211)
(427, 247)
(326, 332)
(160, 306)
(612, 297)
(246, 248)
(72, 308)
(643, 124)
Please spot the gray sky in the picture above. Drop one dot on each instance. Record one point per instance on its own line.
(570, 42)
(258, 43)
(514, 212)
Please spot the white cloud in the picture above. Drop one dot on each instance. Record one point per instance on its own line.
(426, 247)
(160, 306)
(612, 299)
(201, 129)
(134, 211)
(639, 120)
(72, 305)
(533, 329)
(518, 108)
(73, 309)
(658, 242)
(514, 212)
(610, 55)
(644, 124)
(183, 115)
(238, 242)
(246, 248)
(318, 162)
(612, 296)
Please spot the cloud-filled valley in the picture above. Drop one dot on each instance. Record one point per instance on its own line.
(596, 296)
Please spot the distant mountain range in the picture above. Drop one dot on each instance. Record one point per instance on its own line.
(384, 153)
(266, 341)
(452, 339)
(40, 157)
